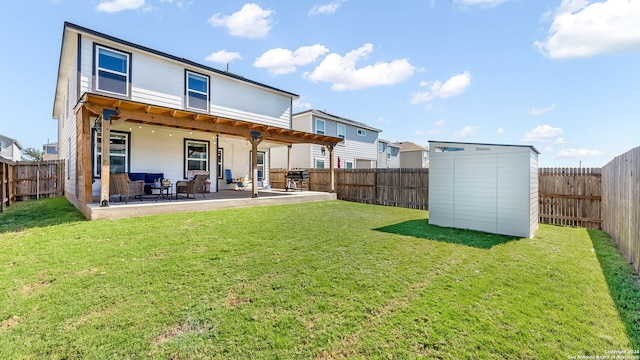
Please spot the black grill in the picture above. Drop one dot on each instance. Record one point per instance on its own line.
(296, 179)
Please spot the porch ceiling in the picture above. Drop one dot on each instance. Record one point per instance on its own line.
(158, 115)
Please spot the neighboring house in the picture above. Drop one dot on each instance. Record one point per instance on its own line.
(50, 151)
(413, 155)
(10, 149)
(358, 148)
(388, 155)
(162, 114)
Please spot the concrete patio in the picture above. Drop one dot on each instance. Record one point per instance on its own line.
(222, 199)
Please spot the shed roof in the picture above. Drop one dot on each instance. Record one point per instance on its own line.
(486, 144)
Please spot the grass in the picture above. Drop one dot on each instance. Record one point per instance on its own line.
(320, 280)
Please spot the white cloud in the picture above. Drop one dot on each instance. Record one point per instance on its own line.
(579, 153)
(223, 57)
(501, 131)
(283, 61)
(341, 71)
(560, 140)
(465, 132)
(251, 21)
(486, 3)
(329, 8)
(580, 29)
(456, 85)
(439, 123)
(301, 104)
(542, 133)
(535, 111)
(384, 121)
(119, 5)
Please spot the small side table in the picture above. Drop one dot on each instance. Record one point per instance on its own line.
(164, 191)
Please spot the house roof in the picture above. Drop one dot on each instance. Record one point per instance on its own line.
(389, 143)
(11, 140)
(68, 48)
(336, 118)
(409, 146)
(142, 113)
(485, 144)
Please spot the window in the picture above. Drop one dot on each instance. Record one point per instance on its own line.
(118, 153)
(51, 150)
(381, 146)
(197, 91)
(319, 127)
(196, 155)
(1, 146)
(388, 153)
(342, 131)
(319, 163)
(112, 71)
(362, 132)
(220, 162)
(348, 164)
(260, 164)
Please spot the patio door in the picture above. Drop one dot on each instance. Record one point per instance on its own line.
(260, 166)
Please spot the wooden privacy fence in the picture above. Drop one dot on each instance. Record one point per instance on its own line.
(570, 196)
(621, 204)
(394, 187)
(26, 180)
(567, 196)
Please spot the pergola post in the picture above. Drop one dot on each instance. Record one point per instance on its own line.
(105, 151)
(255, 140)
(331, 169)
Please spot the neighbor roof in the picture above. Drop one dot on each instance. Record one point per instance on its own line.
(409, 146)
(337, 118)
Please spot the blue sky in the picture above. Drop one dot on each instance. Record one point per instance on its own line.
(562, 75)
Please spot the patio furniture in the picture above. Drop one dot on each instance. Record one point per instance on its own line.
(232, 182)
(122, 186)
(192, 187)
(148, 178)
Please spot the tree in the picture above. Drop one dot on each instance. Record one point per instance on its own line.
(32, 154)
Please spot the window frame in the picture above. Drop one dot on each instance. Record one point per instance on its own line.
(324, 126)
(316, 162)
(343, 136)
(347, 163)
(97, 155)
(220, 163)
(187, 91)
(97, 69)
(361, 132)
(186, 158)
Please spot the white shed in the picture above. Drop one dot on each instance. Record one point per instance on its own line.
(485, 187)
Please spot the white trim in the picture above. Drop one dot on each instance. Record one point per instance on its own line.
(187, 158)
(324, 126)
(126, 74)
(189, 90)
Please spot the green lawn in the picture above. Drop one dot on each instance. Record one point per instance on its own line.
(320, 280)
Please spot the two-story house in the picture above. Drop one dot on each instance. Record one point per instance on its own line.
(161, 113)
(50, 151)
(413, 155)
(10, 149)
(358, 148)
(388, 155)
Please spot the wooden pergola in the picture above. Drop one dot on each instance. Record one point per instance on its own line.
(110, 112)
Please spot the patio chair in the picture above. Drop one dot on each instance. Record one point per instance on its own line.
(122, 186)
(232, 182)
(192, 187)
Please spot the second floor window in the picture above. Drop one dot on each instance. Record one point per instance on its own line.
(197, 91)
(319, 127)
(112, 71)
(342, 131)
